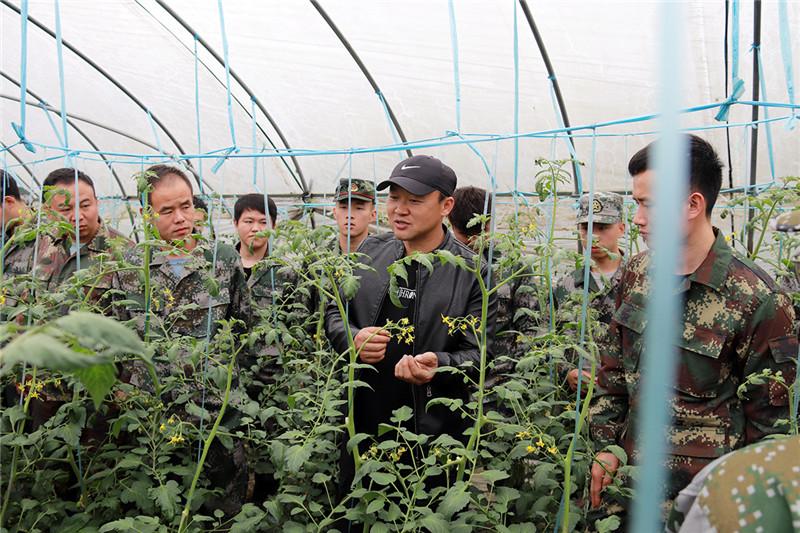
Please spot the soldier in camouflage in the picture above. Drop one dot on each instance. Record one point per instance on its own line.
(192, 287)
(60, 256)
(755, 489)
(608, 261)
(17, 256)
(511, 297)
(354, 212)
(735, 322)
(789, 223)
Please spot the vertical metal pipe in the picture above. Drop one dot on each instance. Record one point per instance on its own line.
(754, 115)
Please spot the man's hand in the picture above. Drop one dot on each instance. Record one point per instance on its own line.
(417, 369)
(572, 377)
(603, 469)
(371, 343)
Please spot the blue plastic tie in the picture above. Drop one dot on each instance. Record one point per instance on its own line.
(516, 110)
(197, 112)
(456, 75)
(225, 155)
(767, 125)
(736, 93)
(60, 55)
(19, 129)
(786, 53)
(155, 131)
(227, 71)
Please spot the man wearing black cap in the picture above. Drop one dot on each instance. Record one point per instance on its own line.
(420, 197)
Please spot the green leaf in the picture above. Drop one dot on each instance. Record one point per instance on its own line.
(349, 286)
(382, 478)
(296, 457)
(99, 329)
(97, 380)
(493, 476)
(166, 496)
(375, 505)
(618, 452)
(456, 499)
(40, 349)
(435, 523)
(379, 527)
(605, 525)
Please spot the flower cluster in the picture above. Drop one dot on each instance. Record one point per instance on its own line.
(540, 444)
(459, 324)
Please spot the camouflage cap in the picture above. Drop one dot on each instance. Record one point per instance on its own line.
(356, 189)
(606, 208)
(788, 222)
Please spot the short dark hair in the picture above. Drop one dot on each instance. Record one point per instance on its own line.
(65, 176)
(156, 173)
(469, 201)
(9, 184)
(199, 203)
(255, 202)
(705, 168)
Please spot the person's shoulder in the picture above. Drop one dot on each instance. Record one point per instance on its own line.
(224, 253)
(375, 243)
(457, 247)
(744, 270)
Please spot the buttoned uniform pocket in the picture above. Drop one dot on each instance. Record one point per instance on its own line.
(784, 354)
(701, 369)
(632, 319)
(196, 322)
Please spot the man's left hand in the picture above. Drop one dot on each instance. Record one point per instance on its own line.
(417, 369)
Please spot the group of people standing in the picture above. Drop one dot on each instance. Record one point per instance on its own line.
(734, 320)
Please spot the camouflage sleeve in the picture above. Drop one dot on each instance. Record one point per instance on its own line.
(769, 346)
(608, 411)
(241, 300)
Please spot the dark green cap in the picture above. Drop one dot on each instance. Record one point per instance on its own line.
(356, 189)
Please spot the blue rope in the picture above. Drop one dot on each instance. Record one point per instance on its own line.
(60, 55)
(763, 83)
(456, 75)
(587, 272)
(786, 53)
(227, 71)
(516, 109)
(664, 308)
(570, 146)
(42, 106)
(155, 132)
(737, 85)
(197, 112)
(19, 129)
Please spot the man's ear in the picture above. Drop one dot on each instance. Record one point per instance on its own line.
(696, 205)
(448, 205)
(374, 215)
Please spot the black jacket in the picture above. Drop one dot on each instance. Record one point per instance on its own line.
(448, 291)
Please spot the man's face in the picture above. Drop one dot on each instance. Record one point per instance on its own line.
(642, 195)
(249, 224)
(354, 218)
(411, 216)
(171, 200)
(63, 201)
(605, 238)
(10, 209)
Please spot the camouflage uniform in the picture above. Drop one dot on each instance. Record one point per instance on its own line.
(735, 323)
(58, 261)
(568, 294)
(187, 301)
(512, 297)
(753, 489)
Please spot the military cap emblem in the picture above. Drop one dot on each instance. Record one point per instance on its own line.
(597, 206)
(354, 188)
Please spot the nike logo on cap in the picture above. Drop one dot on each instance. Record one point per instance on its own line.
(406, 167)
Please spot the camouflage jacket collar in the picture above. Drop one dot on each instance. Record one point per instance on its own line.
(577, 275)
(198, 253)
(713, 270)
(100, 243)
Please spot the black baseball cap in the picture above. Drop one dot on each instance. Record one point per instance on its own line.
(421, 175)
